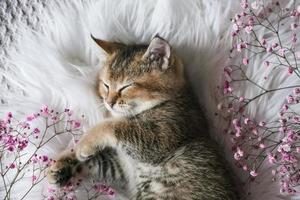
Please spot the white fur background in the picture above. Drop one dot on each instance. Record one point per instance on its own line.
(57, 65)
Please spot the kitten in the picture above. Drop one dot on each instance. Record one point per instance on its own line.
(156, 144)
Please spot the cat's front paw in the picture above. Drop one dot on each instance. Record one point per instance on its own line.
(95, 140)
(86, 148)
(61, 171)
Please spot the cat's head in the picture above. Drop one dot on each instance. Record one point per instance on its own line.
(136, 78)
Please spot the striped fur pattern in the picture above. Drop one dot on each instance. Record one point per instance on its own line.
(155, 144)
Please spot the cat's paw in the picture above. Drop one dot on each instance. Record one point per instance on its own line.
(94, 141)
(85, 149)
(61, 171)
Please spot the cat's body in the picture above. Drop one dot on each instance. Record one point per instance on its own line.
(156, 145)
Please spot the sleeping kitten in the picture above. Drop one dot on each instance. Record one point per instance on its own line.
(156, 144)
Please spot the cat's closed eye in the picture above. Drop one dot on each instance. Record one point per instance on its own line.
(106, 86)
(125, 87)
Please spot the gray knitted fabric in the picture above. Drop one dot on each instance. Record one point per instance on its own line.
(13, 14)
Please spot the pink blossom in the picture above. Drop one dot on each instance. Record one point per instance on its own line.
(12, 166)
(247, 120)
(285, 107)
(45, 111)
(220, 106)
(263, 41)
(248, 29)
(45, 158)
(245, 167)
(227, 88)
(290, 70)
(290, 99)
(293, 26)
(245, 61)
(235, 27)
(76, 124)
(244, 4)
(238, 131)
(31, 117)
(298, 149)
(271, 158)
(36, 131)
(254, 5)
(241, 99)
(284, 147)
(254, 131)
(33, 178)
(262, 145)
(296, 119)
(274, 45)
(266, 63)
(253, 173)
(296, 91)
(269, 49)
(241, 46)
(281, 52)
(262, 124)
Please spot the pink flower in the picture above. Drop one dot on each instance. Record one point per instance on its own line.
(284, 148)
(271, 158)
(254, 131)
(290, 70)
(245, 61)
(269, 49)
(254, 5)
(285, 107)
(33, 178)
(31, 117)
(262, 145)
(241, 99)
(220, 106)
(263, 41)
(76, 124)
(245, 168)
(290, 99)
(296, 119)
(45, 111)
(235, 27)
(281, 52)
(244, 4)
(274, 45)
(241, 46)
(296, 91)
(12, 166)
(247, 120)
(253, 173)
(298, 149)
(262, 124)
(293, 26)
(248, 29)
(45, 158)
(266, 63)
(36, 131)
(226, 88)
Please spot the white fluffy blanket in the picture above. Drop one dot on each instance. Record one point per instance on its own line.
(49, 58)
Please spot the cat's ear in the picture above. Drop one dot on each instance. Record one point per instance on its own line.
(159, 50)
(108, 47)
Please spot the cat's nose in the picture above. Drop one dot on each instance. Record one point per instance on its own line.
(111, 103)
